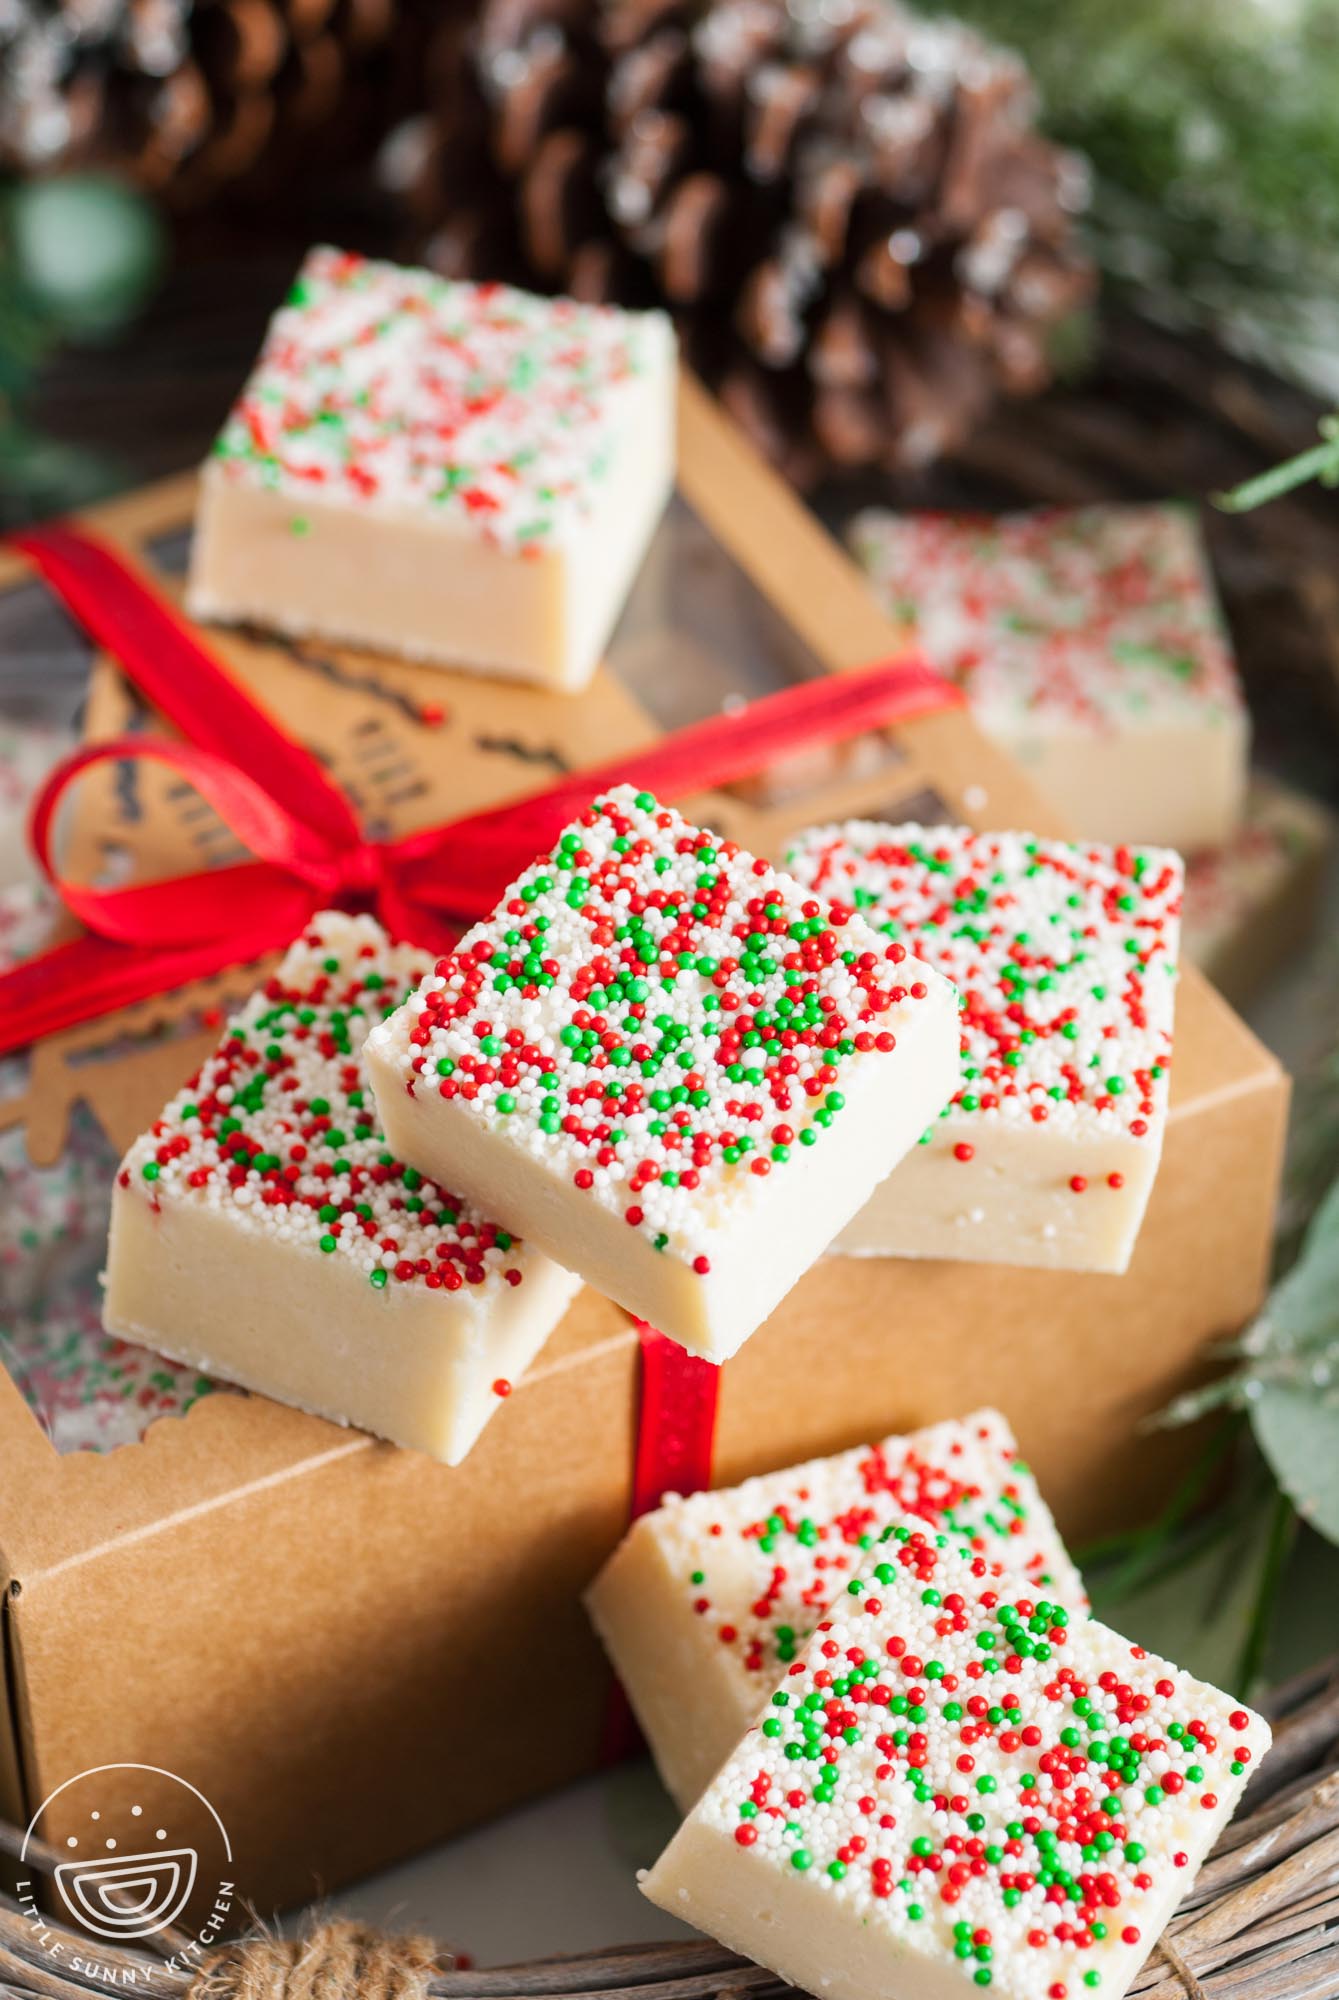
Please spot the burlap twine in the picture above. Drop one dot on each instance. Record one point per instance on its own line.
(336, 1961)
(346, 1961)
(1194, 1991)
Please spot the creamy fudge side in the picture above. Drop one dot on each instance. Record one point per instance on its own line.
(708, 1599)
(958, 1786)
(264, 1232)
(463, 474)
(1065, 956)
(664, 1064)
(1090, 645)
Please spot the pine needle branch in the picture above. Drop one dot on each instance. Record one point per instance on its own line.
(1320, 463)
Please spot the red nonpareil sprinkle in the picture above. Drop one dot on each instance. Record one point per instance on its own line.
(279, 1131)
(1037, 1789)
(791, 1538)
(492, 409)
(1091, 621)
(1064, 956)
(702, 1022)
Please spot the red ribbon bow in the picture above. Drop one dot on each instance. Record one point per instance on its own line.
(426, 887)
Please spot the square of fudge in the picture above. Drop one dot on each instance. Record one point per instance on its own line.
(462, 474)
(665, 1065)
(957, 1786)
(264, 1232)
(707, 1599)
(1091, 647)
(1065, 956)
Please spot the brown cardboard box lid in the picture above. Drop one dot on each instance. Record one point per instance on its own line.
(742, 589)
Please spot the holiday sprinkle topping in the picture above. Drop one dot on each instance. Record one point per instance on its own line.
(385, 387)
(278, 1130)
(969, 1767)
(1093, 619)
(660, 1017)
(761, 1561)
(1064, 956)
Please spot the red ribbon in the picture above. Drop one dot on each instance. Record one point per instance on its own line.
(676, 1429)
(676, 1421)
(310, 852)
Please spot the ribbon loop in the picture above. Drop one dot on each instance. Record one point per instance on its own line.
(184, 908)
(171, 667)
(309, 850)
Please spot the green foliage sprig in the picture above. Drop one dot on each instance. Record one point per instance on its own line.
(1320, 463)
(1220, 1558)
(1214, 142)
(1286, 1377)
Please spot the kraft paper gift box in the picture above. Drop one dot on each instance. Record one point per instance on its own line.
(336, 1640)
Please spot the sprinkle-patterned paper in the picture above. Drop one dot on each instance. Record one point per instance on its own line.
(1097, 619)
(487, 408)
(1064, 956)
(659, 1017)
(28, 912)
(49, 1217)
(959, 1770)
(27, 752)
(88, 1390)
(279, 1130)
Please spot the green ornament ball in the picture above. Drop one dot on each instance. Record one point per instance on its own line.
(86, 249)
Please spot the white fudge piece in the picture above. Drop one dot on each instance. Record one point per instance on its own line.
(1091, 647)
(264, 1232)
(707, 1599)
(1065, 957)
(463, 474)
(956, 1787)
(663, 1064)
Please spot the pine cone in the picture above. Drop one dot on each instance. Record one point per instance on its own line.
(190, 96)
(847, 208)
